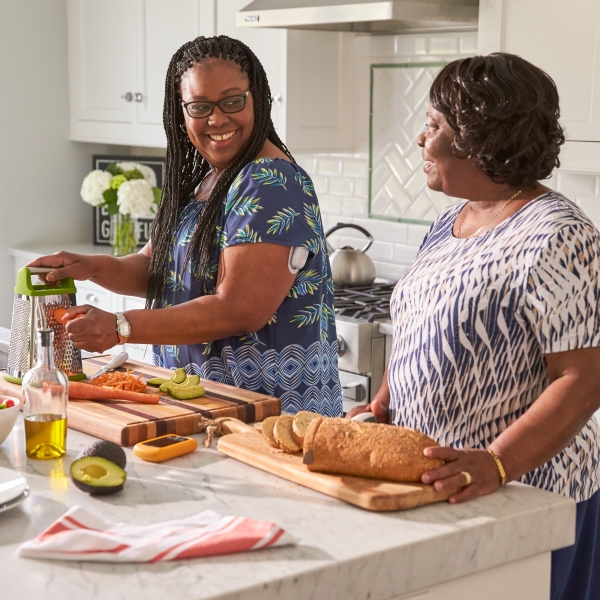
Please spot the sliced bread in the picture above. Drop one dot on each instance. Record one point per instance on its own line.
(300, 425)
(282, 433)
(267, 431)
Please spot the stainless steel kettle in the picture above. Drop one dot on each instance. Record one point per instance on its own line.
(350, 266)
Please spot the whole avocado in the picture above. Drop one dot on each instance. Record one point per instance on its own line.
(107, 450)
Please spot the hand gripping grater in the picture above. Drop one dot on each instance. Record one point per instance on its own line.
(33, 309)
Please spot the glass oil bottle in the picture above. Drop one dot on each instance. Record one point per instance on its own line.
(45, 394)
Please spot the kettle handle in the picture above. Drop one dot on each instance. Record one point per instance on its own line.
(352, 226)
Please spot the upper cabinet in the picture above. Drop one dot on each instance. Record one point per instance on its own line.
(563, 39)
(119, 51)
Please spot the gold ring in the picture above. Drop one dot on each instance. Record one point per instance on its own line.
(468, 477)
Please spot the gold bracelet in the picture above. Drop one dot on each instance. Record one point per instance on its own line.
(500, 466)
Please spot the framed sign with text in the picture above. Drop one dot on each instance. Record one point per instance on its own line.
(102, 218)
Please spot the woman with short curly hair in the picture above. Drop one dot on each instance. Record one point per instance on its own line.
(496, 349)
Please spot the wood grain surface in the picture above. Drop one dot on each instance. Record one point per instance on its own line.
(371, 494)
(127, 423)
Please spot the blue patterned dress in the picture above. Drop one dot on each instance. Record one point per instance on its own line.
(294, 356)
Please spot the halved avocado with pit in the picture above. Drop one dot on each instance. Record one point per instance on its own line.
(97, 476)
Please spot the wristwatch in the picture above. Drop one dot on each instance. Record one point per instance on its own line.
(123, 328)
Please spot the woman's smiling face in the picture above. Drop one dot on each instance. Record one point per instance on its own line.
(444, 168)
(220, 136)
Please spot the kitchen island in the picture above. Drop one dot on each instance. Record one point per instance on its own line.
(495, 547)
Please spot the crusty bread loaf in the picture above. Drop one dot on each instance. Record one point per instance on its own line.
(267, 431)
(300, 425)
(367, 450)
(282, 432)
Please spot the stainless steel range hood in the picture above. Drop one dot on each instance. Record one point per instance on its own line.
(366, 16)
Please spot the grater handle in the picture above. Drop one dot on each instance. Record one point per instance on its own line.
(26, 288)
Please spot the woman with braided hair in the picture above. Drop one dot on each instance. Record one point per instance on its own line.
(236, 275)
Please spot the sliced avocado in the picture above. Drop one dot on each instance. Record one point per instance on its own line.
(107, 450)
(179, 376)
(191, 381)
(97, 476)
(187, 392)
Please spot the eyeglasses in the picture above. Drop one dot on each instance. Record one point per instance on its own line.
(203, 108)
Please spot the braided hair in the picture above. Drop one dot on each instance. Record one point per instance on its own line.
(186, 168)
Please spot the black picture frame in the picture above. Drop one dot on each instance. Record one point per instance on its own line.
(102, 218)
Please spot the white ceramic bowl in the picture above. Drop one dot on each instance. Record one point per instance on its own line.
(8, 417)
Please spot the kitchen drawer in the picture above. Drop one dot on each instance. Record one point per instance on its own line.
(94, 295)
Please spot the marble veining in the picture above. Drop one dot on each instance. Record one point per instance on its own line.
(343, 553)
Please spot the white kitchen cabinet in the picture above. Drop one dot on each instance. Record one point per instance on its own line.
(119, 51)
(562, 38)
(310, 75)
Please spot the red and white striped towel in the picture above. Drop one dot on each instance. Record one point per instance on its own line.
(79, 535)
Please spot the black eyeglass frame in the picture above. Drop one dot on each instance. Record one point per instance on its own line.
(213, 104)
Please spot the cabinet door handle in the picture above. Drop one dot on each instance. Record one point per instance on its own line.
(128, 97)
(277, 99)
(92, 298)
(138, 97)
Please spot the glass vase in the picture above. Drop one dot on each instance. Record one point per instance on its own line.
(124, 234)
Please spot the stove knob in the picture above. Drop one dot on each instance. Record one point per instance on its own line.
(341, 345)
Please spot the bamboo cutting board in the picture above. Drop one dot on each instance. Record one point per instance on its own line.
(372, 494)
(127, 423)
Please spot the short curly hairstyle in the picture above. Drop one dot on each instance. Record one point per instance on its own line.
(505, 113)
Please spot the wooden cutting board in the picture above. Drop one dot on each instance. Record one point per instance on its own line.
(127, 423)
(372, 494)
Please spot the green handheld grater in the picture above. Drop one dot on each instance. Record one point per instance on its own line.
(33, 309)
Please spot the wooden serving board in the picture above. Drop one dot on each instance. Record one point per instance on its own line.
(372, 494)
(127, 423)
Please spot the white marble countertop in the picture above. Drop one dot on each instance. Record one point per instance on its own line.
(344, 553)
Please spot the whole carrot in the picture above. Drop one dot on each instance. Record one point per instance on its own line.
(85, 391)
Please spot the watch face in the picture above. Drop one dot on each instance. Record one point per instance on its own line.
(125, 328)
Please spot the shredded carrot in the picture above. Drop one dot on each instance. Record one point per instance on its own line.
(120, 381)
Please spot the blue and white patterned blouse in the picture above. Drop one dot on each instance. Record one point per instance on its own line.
(294, 356)
(473, 319)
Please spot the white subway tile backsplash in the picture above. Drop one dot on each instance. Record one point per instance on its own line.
(329, 166)
(382, 251)
(330, 205)
(390, 269)
(576, 184)
(396, 233)
(361, 188)
(355, 168)
(444, 44)
(416, 233)
(404, 253)
(353, 207)
(321, 184)
(339, 186)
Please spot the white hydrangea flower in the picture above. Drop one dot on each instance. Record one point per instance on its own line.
(147, 172)
(94, 185)
(135, 198)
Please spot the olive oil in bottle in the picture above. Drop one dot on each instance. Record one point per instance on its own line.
(45, 394)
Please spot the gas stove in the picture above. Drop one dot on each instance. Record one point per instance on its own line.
(361, 346)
